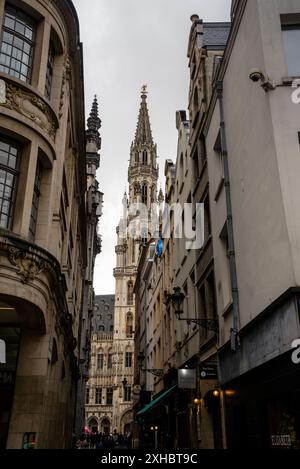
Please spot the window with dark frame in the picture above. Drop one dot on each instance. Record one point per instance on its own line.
(49, 74)
(128, 359)
(87, 396)
(35, 199)
(17, 44)
(144, 194)
(291, 38)
(100, 361)
(109, 361)
(9, 164)
(130, 293)
(98, 397)
(109, 396)
(129, 325)
(127, 394)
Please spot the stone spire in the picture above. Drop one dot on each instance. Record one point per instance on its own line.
(161, 197)
(143, 134)
(93, 126)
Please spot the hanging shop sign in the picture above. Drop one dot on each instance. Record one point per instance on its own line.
(187, 378)
(209, 371)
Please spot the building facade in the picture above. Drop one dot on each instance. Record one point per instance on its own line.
(252, 138)
(100, 385)
(185, 418)
(110, 388)
(43, 237)
(142, 179)
(94, 202)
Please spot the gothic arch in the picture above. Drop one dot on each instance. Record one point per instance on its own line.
(105, 425)
(130, 292)
(126, 421)
(92, 420)
(144, 190)
(145, 157)
(129, 324)
(26, 314)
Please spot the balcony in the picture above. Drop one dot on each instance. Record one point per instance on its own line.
(148, 170)
(103, 336)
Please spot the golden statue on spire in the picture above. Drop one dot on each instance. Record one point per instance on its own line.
(144, 90)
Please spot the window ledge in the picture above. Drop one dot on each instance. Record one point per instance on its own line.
(219, 189)
(287, 81)
(228, 309)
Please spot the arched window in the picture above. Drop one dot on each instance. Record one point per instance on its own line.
(129, 325)
(145, 157)
(100, 359)
(144, 194)
(130, 293)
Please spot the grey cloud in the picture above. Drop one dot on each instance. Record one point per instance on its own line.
(128, 43)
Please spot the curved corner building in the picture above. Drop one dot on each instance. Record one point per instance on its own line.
(42, 221)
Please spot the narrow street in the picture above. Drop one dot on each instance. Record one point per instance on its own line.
(149, 229)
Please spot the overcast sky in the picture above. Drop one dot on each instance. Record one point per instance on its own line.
(128, 43)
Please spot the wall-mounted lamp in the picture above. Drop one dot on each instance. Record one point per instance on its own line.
(177, 299)
(154, 371)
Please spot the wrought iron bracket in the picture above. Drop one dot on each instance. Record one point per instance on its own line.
(208, 324)
(155, 371)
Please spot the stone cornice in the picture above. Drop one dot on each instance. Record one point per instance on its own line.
(30, 262)
(25, 100)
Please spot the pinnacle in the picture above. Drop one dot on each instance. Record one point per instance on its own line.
(143, 134)
(94, 124)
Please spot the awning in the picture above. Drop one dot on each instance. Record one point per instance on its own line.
(157, 400)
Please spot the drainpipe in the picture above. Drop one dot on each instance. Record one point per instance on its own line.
(232, 260)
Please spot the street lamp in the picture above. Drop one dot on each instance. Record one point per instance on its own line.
(177, 299)
(154, 371)
(155, 430)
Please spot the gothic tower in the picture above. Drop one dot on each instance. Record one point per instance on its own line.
(142, 179)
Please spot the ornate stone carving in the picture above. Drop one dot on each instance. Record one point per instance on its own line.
(66, 76)
(29, 266)
(31, 106)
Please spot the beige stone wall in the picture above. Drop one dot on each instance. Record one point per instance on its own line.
(263, 150)
(35, 273)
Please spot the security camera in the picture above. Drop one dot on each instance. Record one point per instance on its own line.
(256, 75)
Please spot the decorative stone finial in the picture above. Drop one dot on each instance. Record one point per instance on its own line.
(94, 124)
(144, 91)
(194, 18)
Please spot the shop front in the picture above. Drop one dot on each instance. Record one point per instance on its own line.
(263, 407)
(10, 338)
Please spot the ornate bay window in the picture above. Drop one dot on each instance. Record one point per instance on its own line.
(17, 44)
(9, 163)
